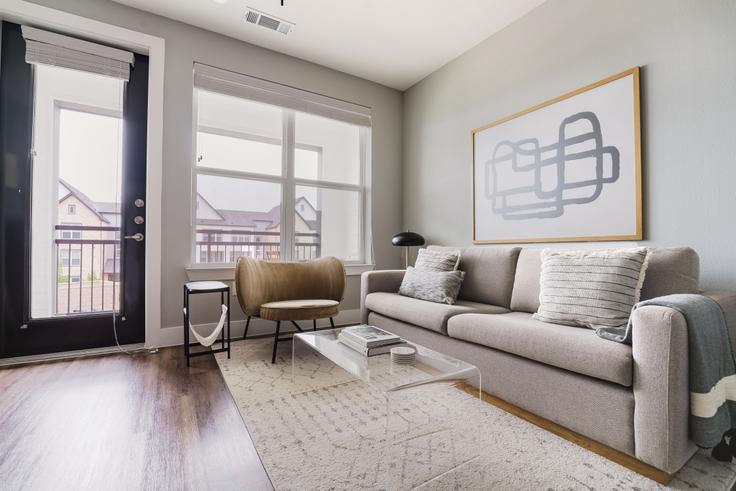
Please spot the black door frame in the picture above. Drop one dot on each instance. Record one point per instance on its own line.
(19, 334)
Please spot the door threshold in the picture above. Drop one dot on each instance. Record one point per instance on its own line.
(136, 348)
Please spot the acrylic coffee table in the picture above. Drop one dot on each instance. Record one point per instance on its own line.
(430, 367)
(424, 429)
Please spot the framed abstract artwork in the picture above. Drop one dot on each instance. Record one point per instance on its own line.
(562, 171)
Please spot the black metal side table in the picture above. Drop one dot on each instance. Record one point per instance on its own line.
(197, 287)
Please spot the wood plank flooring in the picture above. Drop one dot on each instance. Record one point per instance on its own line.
(123, 422)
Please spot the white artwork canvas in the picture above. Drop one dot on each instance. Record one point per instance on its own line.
(566, 170)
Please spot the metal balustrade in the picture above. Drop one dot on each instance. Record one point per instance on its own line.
(226, 246)
(87, 268)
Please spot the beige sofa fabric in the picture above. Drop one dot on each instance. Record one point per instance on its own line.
(525, 297)
(489, 274)
(661, 394)
(388, 280)
(600, 410)
(567, 347)
(671, 270)
(426, 314)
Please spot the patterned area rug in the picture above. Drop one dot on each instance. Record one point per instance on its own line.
(322, 429)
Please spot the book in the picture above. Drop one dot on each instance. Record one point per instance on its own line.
(378, 350)
(369, 336)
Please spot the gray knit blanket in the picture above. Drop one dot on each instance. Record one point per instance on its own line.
(712, 372)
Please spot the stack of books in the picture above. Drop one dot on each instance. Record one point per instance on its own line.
(369, 340)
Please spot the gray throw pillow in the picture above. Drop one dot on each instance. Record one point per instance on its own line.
(435, 260)
(595, 288)
(433, 286)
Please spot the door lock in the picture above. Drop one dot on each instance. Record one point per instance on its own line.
(138, 220)
(136, 237)
(139, 203)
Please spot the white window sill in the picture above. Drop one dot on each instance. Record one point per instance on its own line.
(226, 272)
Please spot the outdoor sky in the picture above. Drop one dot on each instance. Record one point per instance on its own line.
(90, 153)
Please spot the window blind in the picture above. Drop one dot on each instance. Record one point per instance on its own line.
(238, 85)
(49, 48)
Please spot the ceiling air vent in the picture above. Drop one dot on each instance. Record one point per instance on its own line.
(268, 21)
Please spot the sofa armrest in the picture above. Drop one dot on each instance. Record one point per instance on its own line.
(387, 280)
(727, 302)
(661, 391)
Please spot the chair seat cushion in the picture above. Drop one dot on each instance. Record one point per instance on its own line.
(306, 309)
(428, 315)
(571, 348)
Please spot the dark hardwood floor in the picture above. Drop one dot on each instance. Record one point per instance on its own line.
(123, 422)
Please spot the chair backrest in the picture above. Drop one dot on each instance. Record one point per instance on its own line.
(258, 282)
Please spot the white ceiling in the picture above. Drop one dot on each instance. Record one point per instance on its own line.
(392, 42)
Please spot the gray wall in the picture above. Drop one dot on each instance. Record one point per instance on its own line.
(686, 51)
(186, 44)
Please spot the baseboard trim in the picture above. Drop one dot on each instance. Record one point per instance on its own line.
(605, 451)
(72, 355)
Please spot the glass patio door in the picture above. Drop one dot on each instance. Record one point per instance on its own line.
(81, 118)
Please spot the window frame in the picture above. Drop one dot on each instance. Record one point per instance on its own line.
(287, 181)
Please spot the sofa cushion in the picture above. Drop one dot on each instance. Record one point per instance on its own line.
(429, 315)
(570, 348)
(489, 274)
(525, 296)
(671, 270)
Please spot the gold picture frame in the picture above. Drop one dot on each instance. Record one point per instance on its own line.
(638, 233)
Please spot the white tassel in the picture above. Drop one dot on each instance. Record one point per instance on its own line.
(208, 340)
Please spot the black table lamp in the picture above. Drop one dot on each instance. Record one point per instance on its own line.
(406, 240)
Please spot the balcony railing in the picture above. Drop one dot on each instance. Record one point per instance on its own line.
(88, 260)
(87, 269)
(226, 246)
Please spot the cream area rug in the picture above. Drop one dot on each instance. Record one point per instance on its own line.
(323, 429)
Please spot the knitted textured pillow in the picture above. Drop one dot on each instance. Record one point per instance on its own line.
(433, 286)
(592, 289)
(434, 260)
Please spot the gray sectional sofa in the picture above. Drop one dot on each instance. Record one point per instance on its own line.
(632, 398)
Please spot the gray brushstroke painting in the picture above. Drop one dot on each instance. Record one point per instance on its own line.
(570, 171)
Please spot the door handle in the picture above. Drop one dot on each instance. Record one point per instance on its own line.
(136, 237)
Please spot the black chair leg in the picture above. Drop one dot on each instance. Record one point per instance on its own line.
(275, 341)
(314, 324)
(332, 322)
(297, 326)
(247, 323)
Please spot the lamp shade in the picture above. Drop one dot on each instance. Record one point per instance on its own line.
(405, 239)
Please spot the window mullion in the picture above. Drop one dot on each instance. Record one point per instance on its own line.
(289, 189)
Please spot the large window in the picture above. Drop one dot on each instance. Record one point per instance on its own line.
(272, 181)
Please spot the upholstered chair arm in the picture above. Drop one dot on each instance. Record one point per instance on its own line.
(387, 280)
(727, 302)
(661, 393)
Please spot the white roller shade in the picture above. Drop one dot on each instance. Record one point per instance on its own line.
(49, 48)
(247, 87)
